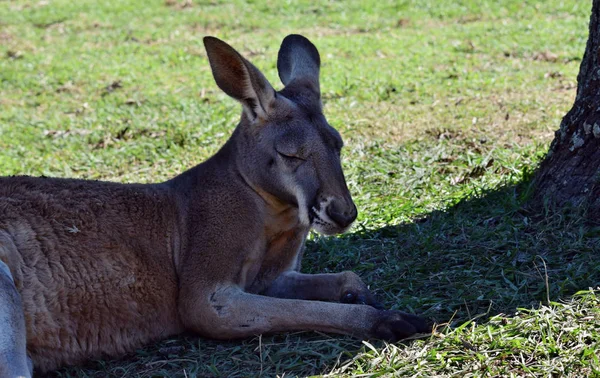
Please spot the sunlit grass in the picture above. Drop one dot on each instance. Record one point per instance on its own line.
(446, 107)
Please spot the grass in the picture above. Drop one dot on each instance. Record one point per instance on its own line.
(446, 107)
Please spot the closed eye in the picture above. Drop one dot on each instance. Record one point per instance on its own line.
(290, 157)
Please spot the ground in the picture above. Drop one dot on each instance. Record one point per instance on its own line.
(446, 108)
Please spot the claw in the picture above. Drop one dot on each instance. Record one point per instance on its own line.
(361, 299)
(369, 300)
(397, 325)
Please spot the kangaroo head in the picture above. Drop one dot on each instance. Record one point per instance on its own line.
(283, 146)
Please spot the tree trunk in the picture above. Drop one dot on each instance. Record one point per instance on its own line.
(570, 173)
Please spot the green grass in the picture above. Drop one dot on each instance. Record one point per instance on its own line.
(446, 107)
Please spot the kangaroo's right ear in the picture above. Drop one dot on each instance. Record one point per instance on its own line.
(298, 58)
(239, 78)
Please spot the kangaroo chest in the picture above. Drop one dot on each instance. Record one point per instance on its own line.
(279, 252)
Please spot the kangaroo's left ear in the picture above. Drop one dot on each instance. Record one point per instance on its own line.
(298, 58)
(239, 78)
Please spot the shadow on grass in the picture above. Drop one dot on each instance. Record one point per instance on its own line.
(481, 257)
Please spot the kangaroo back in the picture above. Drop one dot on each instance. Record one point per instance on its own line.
(91, 261)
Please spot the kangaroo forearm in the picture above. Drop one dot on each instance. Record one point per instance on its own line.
(319, 287)
(346, 287)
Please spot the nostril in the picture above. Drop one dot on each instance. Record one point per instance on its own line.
(332, 213)
(342, 218)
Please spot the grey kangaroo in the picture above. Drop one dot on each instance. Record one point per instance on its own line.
(90, 269)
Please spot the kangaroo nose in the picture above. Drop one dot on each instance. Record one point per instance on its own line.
(342, 215)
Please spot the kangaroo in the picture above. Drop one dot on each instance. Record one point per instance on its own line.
(91, 269)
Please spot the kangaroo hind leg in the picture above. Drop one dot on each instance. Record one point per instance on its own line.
(13, 354)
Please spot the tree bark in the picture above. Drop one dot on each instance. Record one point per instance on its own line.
(570, 173)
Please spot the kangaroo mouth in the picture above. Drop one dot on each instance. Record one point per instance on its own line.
(315, 218)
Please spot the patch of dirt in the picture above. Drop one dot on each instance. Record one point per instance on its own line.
(56, 134)
(474, 173)
(553, 75)
(444, 133)
(5, 37)
(319, 31)
(127, 133)
(183, 4)
(403, 23)
(545, 56)
(68, 87)
(467, 19)
(510, 118)
(112, 87)
(56, 24)
(14, 54)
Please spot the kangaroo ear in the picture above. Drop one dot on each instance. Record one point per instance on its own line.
(239, 78)
(298, 59)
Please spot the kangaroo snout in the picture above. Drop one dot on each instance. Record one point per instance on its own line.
(342, 212)
(333, 215)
